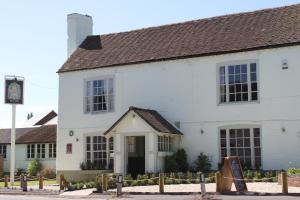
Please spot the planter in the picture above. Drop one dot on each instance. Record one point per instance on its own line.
(81, 175)
(293, 180)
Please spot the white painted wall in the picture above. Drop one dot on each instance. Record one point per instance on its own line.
(22, 161)
(186, 91)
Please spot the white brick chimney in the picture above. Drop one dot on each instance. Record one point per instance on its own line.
(79, 27)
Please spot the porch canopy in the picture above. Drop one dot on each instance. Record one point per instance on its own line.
(150, 117)
(136, 142)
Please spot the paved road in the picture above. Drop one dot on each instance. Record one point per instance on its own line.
(150, 197)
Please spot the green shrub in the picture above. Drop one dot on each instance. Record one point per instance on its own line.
(112, 183)
(293, 171)
(79, 186)
(134, 183)
(71, 187)
(202, 163)
(171, 164)
(34, 167)
(181, 160)
(151, 182)
(21, 171)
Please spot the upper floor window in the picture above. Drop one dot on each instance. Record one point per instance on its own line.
(99, 95)
(3, 150)
(238, 82)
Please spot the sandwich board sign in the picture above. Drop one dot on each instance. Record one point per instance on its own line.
(233, 173)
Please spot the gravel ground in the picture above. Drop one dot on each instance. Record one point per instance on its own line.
(211, 187)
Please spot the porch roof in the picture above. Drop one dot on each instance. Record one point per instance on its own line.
(151, 117)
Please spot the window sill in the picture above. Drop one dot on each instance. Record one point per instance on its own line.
(98, 112)
(239, 103)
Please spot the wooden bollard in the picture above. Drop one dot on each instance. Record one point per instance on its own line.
(104, 182)
(6, 181)
(218, 177)
(41, 184)
(21, 180)
(161, 183)
(61, 182)
(284, 182)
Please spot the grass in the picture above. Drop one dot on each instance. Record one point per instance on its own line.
(31, 183)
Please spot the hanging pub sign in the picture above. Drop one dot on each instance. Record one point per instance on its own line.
(14, 90)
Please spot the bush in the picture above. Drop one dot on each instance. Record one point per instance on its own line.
(48, 173)
(21, 171)
(34, 167)
(293, 171)
(171, 164)
(134, 183)
(202, 163)
(181, 160)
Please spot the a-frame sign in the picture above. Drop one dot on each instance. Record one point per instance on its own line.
(233, 173)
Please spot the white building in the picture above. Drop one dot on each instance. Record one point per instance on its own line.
(36, 140)
(230, 85)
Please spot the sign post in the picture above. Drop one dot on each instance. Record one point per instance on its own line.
(14, 93)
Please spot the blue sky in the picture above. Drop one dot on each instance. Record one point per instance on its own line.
(33, 36)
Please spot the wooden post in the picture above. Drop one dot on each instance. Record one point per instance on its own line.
(41, 180)
(161, 183)
(104, 182)
(61, 182)
(284, 182)
(22, 181)
(6, 181)
(218, 177)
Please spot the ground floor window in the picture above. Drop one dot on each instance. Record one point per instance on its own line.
(39, 151)
(242, 142)
(165, 144)
(30, 151)
(97, 151)
(3, 150)
(52, 150)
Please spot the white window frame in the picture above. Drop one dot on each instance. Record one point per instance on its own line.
(238, 62)
(52, 150)
(251, 127)
(165, 143)
(91, 151)
(32, 151)
(40, 151)
(85, 96)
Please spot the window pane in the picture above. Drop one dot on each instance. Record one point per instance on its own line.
(244, 68)
(256, 132)
(231, 70)
(223, 133)
(253, 67)
(254, 96)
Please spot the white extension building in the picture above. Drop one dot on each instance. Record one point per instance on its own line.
(225, 85)
(35, 140)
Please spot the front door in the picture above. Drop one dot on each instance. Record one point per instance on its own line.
(135, 155)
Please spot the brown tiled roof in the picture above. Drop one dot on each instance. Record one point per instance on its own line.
(46, 118)
(42, 134)
(269, 28)
(153, 118)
